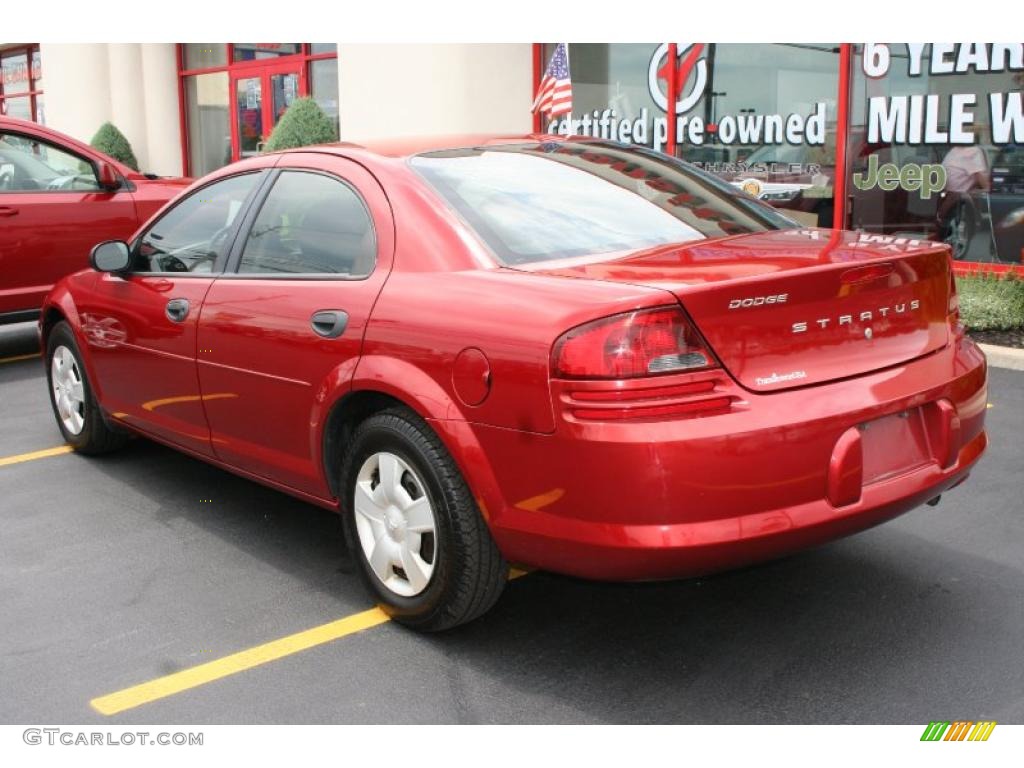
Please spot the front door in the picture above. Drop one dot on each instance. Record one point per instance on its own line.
(140, 328)
(284, 331)
(52, 211)
(261, 97)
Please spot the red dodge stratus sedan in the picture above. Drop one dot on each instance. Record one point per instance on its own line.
(575, 355)
(58, 198)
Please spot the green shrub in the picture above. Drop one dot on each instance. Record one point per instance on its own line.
(304, 123)
(991, 303)
(111, 141)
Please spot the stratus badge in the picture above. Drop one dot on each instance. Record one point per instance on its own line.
(866, 316)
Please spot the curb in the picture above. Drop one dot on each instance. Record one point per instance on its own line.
(1004, 357)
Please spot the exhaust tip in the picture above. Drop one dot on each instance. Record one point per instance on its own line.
(935, 502)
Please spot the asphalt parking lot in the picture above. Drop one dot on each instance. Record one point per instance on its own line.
(126, 569)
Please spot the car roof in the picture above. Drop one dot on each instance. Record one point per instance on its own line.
(407, 146)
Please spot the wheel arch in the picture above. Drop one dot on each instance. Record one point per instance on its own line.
(58, 307)
(373, 390)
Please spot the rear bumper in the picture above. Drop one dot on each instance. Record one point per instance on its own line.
(673, 498)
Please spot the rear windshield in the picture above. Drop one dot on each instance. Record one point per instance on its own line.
(556, 200)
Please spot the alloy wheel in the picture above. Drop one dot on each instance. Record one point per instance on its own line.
(68, 389)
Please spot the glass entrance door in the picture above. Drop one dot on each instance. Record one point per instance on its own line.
(261, 98)
(249, 128)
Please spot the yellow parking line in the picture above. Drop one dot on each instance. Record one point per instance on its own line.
(16, 358)
(162, 687)
(35, 455)
(129, 698)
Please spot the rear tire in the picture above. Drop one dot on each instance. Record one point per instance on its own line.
(78, 414)
(423, 549)
(960, 230)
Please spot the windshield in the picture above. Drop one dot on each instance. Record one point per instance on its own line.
(555, 200)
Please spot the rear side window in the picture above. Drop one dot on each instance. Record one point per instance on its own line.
(192, 234)
(555, 200)
(311, 224)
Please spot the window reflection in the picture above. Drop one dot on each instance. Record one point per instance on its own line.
(538, 202)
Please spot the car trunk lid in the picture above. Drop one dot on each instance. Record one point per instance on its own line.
(795, 307)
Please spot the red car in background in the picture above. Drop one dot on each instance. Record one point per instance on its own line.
(570, 354)
(58, 198)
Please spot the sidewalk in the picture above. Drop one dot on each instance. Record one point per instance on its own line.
(1004, 357)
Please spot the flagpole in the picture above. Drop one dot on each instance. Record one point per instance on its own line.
(568, 72)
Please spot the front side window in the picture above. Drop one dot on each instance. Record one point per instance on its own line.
(30, 165)
(311, 224)
(197, 230)
(540, 202)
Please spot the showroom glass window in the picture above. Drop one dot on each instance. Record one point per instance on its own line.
(936, 146)
(762, 117)
(234, 93)
(21, 83)
(611, 81)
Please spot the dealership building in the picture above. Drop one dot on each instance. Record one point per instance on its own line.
(897, 140)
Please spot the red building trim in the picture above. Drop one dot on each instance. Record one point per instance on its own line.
(839, 207)
(183, 125)
(673, 87)
(976, 268)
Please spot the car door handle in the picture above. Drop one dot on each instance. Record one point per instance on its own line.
(329, 323)
(6, 210)
(177, 310)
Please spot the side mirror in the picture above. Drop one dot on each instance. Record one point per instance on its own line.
(110, 256)
(106, 176)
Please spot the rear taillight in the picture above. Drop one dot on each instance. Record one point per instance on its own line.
(630, 345)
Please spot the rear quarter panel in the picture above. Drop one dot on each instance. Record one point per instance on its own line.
(425, 319)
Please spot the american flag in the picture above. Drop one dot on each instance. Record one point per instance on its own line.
(555, 92)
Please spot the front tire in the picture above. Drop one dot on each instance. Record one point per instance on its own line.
(422, 546)
(74, 405)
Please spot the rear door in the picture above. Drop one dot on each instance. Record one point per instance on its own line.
(285, 329)
(140, 328)
(52, 211)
